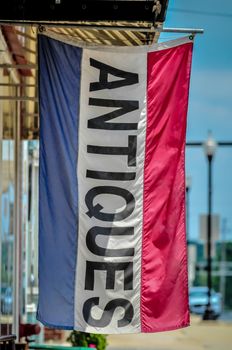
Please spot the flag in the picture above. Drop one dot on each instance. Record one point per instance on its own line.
(112, 245)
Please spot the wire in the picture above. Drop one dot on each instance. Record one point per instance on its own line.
(214, 14)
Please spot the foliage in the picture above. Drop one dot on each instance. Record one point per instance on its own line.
(84, 339)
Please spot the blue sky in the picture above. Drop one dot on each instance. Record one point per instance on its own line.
(210, 102)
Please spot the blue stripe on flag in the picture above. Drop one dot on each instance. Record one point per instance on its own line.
(59, 88)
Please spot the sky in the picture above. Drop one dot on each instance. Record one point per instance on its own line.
(210, 104)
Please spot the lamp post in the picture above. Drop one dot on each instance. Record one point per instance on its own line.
(209, 147)
(188, 181)
(190, 247)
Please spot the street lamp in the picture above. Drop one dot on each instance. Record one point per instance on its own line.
(209, 147)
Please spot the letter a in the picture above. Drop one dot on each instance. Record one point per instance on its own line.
(128, 78)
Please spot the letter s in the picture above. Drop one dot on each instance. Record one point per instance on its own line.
(107, 314)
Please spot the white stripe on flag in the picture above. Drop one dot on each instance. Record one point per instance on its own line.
(97, 286)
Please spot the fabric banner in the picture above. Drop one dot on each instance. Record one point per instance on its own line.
(112, 245)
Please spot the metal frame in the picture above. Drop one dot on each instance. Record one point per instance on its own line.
(17, 219)
(19, 98)
(17, 85)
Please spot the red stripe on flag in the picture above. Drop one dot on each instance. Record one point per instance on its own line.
(164, 286)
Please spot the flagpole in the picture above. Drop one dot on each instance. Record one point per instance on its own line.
(142, 29)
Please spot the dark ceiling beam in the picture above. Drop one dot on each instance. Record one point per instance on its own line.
(81, 10)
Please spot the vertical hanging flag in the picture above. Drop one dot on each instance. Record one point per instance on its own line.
(112, 255)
